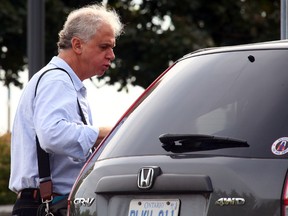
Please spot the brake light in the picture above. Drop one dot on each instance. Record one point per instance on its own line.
(68, 208)
(285, 197)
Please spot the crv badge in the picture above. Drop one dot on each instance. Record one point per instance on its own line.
(230, 201)
(84, 201)
(146, 177)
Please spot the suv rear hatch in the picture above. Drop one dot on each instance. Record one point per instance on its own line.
(235, 100)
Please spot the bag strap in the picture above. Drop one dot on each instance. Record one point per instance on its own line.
(45, 181)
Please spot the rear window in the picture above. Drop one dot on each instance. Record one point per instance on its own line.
(242, 95)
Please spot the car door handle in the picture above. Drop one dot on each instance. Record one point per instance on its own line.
(165, 183)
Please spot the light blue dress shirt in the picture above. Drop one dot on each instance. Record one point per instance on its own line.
(55, 117)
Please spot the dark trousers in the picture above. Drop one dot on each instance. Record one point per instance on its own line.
(27, 203)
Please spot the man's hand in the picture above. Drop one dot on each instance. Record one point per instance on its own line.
(103, 132)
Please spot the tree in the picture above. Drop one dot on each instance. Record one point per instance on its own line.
(12, 40)
(147, 48)
(157, 32)
(6, 196)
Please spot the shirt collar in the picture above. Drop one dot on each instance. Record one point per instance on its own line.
(58, 62)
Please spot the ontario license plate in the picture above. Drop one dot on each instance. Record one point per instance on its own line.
(142, 207)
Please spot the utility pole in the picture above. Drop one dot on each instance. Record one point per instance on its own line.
(284, 11)
(8, 109)
(36, 35)
(36, 44)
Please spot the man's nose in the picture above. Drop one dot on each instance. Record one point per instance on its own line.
(110, 55)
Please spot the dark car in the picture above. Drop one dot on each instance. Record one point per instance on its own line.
(208, 137)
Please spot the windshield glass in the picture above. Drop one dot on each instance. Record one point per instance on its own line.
(242, 95)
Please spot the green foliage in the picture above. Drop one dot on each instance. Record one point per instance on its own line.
(12, 40)
(147, 49)
(157, 32)
(6, 196)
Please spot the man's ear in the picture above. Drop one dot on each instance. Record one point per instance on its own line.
(76, 45)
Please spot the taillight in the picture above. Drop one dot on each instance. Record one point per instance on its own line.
(68, 208)
(285, 197)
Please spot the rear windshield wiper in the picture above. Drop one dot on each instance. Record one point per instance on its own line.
(198, 142)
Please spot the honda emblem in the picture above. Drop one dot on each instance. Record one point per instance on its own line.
(146, 177)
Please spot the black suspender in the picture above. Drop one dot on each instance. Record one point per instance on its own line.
(46, 187)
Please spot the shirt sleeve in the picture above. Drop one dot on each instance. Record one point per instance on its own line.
(57, 119)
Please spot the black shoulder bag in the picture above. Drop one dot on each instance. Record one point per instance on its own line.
(45, 181)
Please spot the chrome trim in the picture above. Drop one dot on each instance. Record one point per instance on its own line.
(146, 177)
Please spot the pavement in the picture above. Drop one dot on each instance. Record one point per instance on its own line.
(6, 210)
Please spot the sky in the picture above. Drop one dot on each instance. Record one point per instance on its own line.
(107, 104)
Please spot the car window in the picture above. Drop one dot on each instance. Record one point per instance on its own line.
(241, 95)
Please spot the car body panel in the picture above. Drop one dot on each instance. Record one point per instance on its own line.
(230, 178)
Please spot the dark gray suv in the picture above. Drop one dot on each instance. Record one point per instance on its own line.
(209, 137)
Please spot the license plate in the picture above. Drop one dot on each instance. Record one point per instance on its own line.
(142, 207)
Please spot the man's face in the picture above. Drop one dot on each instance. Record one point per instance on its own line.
(97, 53)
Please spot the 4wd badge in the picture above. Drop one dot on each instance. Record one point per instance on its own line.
(230, 201)
(280, 146)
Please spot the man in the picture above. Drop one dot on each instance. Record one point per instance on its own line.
(51, 112)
